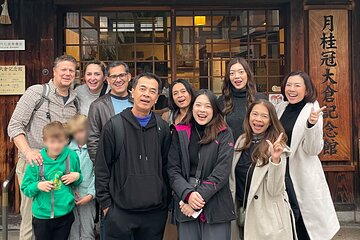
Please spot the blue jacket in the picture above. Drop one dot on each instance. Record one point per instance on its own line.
(87, 187)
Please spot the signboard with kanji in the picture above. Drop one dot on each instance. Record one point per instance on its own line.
(12, 80)
(329, 69)
(12, 45)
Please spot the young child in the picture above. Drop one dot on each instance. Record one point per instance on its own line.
(50, 185)
(85, 210)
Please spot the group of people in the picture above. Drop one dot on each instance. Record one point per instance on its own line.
(228, 167)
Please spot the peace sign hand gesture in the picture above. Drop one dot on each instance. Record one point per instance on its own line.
(314, 115)
(276, 149)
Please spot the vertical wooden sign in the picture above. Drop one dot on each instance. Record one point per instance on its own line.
(329, 69)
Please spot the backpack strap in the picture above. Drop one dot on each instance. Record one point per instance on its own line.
(67, 166)
(41, 173)
(118, 124)
(44, 96)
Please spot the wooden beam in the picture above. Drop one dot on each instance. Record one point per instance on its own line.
(297, 57)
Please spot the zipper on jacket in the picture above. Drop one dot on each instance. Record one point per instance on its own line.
(52, 211)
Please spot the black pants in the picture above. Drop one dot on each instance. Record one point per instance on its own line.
(301, 231)
(53, 229)
(124, 225)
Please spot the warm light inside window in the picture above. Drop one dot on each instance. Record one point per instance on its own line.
(199, 20)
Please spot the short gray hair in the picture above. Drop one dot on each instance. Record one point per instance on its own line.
(63, 58)
(116, 64)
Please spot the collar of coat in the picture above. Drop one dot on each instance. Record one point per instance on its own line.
(187, 128)
(259, 172)
(300, 124)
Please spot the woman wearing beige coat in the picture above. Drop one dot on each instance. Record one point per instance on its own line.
(260, 183)
(301, 117)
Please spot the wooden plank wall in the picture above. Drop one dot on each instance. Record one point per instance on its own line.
(28, 18)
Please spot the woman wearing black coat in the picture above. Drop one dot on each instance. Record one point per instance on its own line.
(199, 166)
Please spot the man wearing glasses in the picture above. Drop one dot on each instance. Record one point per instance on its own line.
(102, 109)
(114, 102)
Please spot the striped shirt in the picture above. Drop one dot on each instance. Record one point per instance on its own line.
(20, 120)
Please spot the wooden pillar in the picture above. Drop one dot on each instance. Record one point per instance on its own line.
(355, 50)
(33, 21)
(297, 37)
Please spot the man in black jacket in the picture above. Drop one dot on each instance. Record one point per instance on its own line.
(130, 167)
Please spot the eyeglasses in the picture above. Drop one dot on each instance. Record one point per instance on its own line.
(116, 76)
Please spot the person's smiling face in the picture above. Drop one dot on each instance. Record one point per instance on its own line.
(94, 77)
(202, 110)
(181, 96)
(64, 73)
(259, 119)
(238, 76)
(295, 89)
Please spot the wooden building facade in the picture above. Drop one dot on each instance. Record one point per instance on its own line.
(194, 40)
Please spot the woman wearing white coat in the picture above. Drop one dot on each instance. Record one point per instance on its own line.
(305, 180)
(257, 178)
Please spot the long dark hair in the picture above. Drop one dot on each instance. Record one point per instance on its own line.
(226, 86)
(311, 93)
(261, 151)
(217, 123)
(172, 105)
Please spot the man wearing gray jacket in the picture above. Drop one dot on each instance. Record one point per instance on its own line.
(102, 109)
(112, 103)
(38, 106)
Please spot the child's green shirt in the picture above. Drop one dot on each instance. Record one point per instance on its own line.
(60, 201)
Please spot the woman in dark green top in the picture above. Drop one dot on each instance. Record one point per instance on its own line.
(238, 92)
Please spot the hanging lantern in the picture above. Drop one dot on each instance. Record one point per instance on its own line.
(199, 20)
(5, 18)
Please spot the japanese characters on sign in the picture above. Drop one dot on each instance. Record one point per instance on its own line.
(328, 59)
(329, 69)
(12, 80)
(12, 45)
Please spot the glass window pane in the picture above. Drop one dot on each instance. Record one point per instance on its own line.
(275, 84)
(258, 67)
(276, 67)
(89, 20)
(184, 21)
(108, 53)
(273, 34)
(274, 51)
(125, 37)
(161, 69)
(108, 37)
(89, 36)
(72, 20)
(125, 52)
(273, 18)
(144, 52)
(216, 85)
(261, 84)
(257, 18)
(142, 67)
(73, 51)
(160, 52)
(257, 34)
(144, 37)
(89, 53)
(185, 55)
(72, 36)
(238, 18)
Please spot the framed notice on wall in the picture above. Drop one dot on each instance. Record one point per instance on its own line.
(12, 80)
(329, 69)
